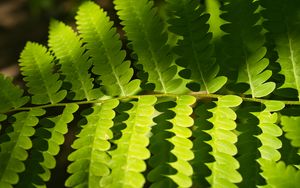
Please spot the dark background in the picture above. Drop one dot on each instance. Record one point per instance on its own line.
(28, 20)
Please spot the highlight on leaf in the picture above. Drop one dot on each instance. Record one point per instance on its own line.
(37, 66)
(90, 159)
(104, 48)
(182, 145)
(224, 168)
(128, 159)
(67, 47)
(270, 131)
(281, 175)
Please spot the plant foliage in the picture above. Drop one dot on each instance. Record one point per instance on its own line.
(194, 100)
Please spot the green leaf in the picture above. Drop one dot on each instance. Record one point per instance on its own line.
(247, 146)
(2, 117)
(10, 95)
(291, 127)
(200, 146)
(13, 151)
(282, 21)
(274, 105)
(280, 175)
(68, 48)
(182, 145)
(160, 147)
(104, 46)
(145, 31)
(90, 160)
(194, 49)
(37, 67)
(212, 8)
(253, 73)
(270, 142)
(48, 138)
(224, 168)
(128, 159)
(230, 101)
(246, 40)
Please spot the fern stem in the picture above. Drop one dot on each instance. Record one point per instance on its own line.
(198, 95)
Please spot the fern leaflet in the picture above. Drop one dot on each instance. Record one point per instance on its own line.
(45, 146)
(90, 160)
(291, 127)
(127, 160)
(67, 47)
(201, 148)
(104, 46)
(168, 135)
(224, 168)
(37, 67)
(14, 145)
(194, 50)
(145, 31)
(270, 132)
(160, 147)
(246, 40)
(10, 95)
(247, 145)
(182, 145)
(280, 175)
(283, 22)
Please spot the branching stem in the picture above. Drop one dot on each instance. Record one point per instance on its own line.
(199, 96)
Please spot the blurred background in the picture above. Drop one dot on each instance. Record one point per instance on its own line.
(28, 20)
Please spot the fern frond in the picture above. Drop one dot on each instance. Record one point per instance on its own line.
(246, 40)
(167, 135)
(248, 145)
(224, 169)
(37, 67)
(146, 32)
(194, 50)
(127, 160)
(291, 127)
(270, 132)
(68, 48)
(280, 175)
(283, 23)
(90, 159)
(104, 46)
(212, 8)
(200, 147)
(10, 95)
(182, 145)
(160, 147)
(13, 149)
(46, 144)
